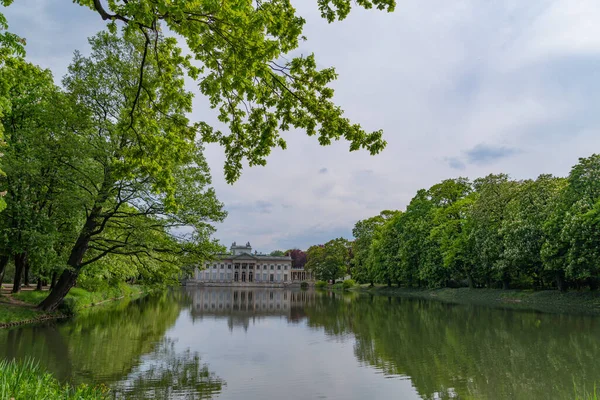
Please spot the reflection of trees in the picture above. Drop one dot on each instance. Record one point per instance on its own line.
(467, 352)
(101, 346)
(166, 374)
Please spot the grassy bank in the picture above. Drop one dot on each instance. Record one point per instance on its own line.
(548, 301)
(20, 307)
(27, 381)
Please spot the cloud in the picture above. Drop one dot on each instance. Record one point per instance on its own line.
(455, 163)
(485, 154)
(465, 86)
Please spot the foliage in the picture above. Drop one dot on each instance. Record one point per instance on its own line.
(330, 261)
(321, 284)
(25, 380)
(348, 283)
(277, 253)
(298, 258)
(491, 232)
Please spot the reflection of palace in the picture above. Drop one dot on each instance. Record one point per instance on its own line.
(241, 304)
(242, 268)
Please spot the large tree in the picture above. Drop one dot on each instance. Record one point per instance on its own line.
(246, 64)
(330, 261)
(146, 181)
(364, 232)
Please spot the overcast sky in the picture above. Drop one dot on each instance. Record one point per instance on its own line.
(460, 88)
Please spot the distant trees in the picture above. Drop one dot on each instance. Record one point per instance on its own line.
(330, 261)
(490, 232)
(277, 253)
(298, 258)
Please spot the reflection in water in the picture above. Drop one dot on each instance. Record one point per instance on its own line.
(273, 343)
(166, 374)
(240, 305)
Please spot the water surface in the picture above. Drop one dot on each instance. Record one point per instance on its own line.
(229, 343)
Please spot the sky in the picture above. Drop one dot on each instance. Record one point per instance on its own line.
(460, 88)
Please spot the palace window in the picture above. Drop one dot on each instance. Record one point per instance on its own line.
(279, 267)
(221, 276)
(222, 266)
(229, 276)
(272, 267)
(265, 266)
(228, 266)
(285, 267)
(285, 277)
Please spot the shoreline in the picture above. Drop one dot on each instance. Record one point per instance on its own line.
(20, 309)
(545, 301)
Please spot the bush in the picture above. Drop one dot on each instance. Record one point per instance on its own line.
(26, 380)
(348, 283)
(304, 285)
(321, 284)
(68, 306)
(338, 286)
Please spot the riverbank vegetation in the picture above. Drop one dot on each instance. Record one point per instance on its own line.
(104, 178)
(26, 380)
(493, 232)
(20, 307)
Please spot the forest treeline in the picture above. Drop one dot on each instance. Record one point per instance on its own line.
(490, 232)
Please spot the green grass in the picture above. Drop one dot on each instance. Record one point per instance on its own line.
(76, 301)
(81, 298)
(10, 313)
(549, 301)
(593, 395)
(25, 381)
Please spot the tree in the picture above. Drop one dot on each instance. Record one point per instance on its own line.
(36, 182)
(298, 257)
(523, 228)
(146, 178)
(414, 241)
(246, 68)
(277, 253)
(330, 261)
(363, 232)
(581, 229)
(488, 213)
(383, 252)
(451, 255)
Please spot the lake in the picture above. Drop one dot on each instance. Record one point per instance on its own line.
(232, 343)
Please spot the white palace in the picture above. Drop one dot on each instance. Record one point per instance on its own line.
(242, 267)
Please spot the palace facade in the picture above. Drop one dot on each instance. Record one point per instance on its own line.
(242, 267)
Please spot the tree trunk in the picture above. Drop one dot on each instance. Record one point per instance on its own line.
(389, 283)
(69, 276)
(3, 264)
(39, 284)
(505, 284)
(26, 273)
(53, 281)
(560, 281)
(61, 289)
(19, 266)
(470, 281)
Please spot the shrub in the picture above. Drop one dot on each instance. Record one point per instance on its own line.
(304, 285)
(68, 306)
(338, 286)
(321, 284)
(348, 283)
